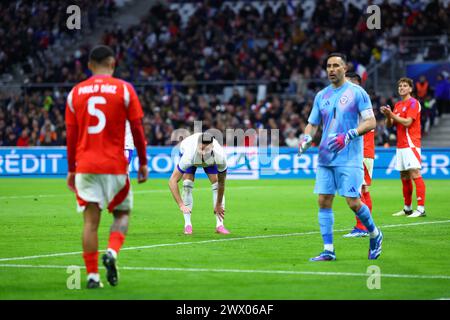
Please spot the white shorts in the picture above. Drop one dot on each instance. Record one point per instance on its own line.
(408, 158)
(111, 191)
(368, 171)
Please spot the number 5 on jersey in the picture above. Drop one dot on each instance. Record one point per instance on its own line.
(92, 102)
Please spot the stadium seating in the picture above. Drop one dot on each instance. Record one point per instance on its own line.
(249, 64)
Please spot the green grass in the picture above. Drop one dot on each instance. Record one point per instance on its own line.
(38, 217)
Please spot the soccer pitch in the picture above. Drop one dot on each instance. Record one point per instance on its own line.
(274, 232)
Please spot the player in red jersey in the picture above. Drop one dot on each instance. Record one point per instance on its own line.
(369, 154)
(96, 112)
(406, 117)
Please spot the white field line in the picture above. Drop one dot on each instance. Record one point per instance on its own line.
(218, 240)
(283, 272)
(70, 194)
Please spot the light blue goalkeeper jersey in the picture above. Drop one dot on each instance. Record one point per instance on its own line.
(338, 109)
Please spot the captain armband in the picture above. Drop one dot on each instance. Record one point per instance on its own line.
(367, 114)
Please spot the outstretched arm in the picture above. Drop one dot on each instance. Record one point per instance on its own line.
(137, 131)
(338, 142)
(305, 143)
(173, 186)
(72, 138)
(366, 125)
(311, 130)
(219, 209)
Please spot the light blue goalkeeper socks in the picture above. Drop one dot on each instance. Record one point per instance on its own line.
(366, 218)
(326, 220)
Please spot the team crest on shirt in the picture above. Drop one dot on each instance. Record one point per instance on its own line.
(343, 100)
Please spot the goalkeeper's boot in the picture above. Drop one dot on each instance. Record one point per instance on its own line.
(403, 212)
(110, 264)
(417, 214)
(92, 284)
(325, 256)
(356, 233)
(222, 230)
(375, 246)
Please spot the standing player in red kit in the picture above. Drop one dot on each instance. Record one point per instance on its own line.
(96, 112)
(406, 117)
(369, 154)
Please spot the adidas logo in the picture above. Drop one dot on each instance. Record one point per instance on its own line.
(327, 103)
(352, 189)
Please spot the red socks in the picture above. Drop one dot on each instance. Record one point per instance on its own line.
(407, 191)
(91, 261)
(367, 200)
(116, 240)
(420, 191)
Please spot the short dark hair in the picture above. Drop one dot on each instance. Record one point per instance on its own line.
(207, 138)
(353, 75)
(406, 80)
(337, 54)
(100, 53)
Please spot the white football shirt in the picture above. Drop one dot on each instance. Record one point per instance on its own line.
(190, 157)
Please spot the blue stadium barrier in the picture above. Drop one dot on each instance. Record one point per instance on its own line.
(243, 163)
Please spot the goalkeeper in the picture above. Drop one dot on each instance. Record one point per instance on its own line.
(338, 107)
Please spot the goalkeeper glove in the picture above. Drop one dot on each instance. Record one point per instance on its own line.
(304, 144)
(340, 140)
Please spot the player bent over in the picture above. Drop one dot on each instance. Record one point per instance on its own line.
(406, 117)
(200, 150)
(338, 107)
(359, 230)
(96, 112)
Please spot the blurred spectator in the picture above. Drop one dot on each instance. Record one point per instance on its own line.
(422, 89)
(29, 28)
(442, 94)
(429, 111)
(24, 139)
(292, 140)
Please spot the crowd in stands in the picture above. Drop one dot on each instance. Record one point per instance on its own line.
(37, 118)
(30, 27)
(216, 43)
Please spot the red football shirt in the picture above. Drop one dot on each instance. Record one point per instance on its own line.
(99, 107)
(369, 144)
(408, 137)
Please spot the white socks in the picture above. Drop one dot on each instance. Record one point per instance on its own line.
(113, 252)
(188, 200)
(219, 222)
(374, 233)
(419, 208)
(329, 247)
(215, 187)
(187, 219)
(94, 276)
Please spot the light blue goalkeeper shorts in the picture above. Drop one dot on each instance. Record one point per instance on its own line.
(347, 181)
